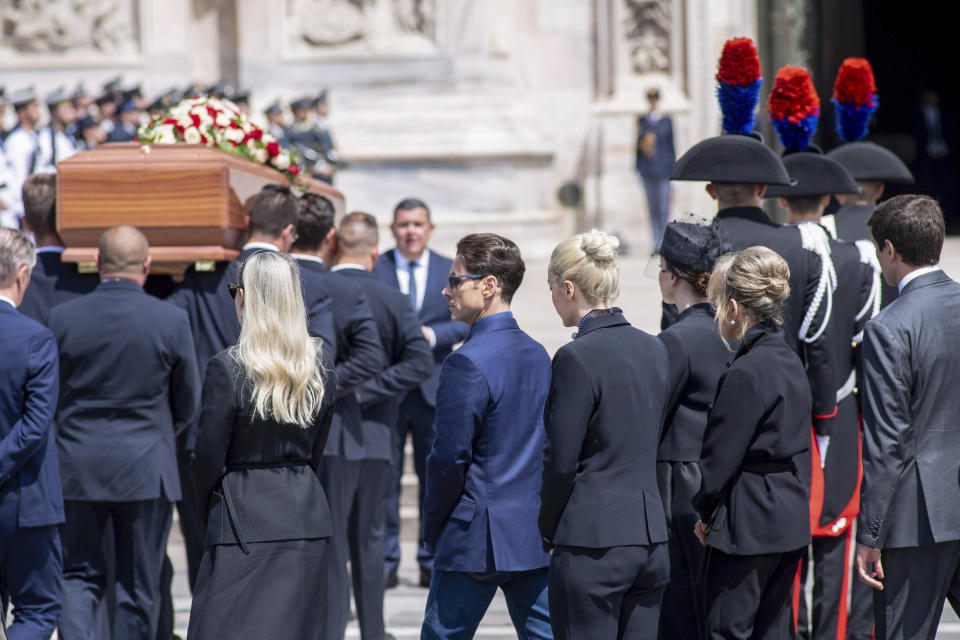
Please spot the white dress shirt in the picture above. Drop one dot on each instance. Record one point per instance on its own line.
(65, 148)
(263, 246)
(8, 301)
(916, 274)
(348, 265)
(403, 275)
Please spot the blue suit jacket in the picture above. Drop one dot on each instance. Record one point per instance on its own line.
(29, 471)
(53, 282)
(483, 473)
(434, 312)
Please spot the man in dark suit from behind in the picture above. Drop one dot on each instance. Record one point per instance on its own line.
(420, 274)
(52, 280)
(409, 363)
(130, 384)
(350, 456)
(31, 503)
(908, 528)
(654, 161)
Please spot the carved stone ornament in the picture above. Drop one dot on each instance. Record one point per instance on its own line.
(79, 27)
(648, 27)
(359, 26)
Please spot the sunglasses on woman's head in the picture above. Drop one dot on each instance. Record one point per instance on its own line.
(233, 288)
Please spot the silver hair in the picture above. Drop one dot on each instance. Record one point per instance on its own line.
(15, 249)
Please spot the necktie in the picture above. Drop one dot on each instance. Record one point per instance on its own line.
(412, 288)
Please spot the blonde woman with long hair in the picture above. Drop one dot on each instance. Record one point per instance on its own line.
(267, 406)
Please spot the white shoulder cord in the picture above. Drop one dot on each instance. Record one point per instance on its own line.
(814, 238)
(829, 222)
(872, 306)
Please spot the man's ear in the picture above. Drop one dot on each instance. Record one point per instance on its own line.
(879, 193)
(761, 189)
(490, 286)
(146, 265)
(711, 191)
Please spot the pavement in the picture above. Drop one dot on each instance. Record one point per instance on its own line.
(404, 606)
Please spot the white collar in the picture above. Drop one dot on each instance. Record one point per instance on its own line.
(348, 265)
(50, 249)
(307, 257)
(404, 264)
(922, 271)
(265, 246)
(8, 301)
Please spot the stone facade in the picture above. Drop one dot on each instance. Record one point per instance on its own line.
(482, 108)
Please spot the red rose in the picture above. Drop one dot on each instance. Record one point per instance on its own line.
(196, 120)
(204, 139)
(294, 169)
(172, 121)
(213, 112)
(257, 134)
(234, 124)
(180, 130)
(273, 149)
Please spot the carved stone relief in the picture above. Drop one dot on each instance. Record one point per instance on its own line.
(85, 28)
(648, 27)
(359, 27)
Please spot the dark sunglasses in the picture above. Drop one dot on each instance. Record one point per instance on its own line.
(233, 288)
(454, 278)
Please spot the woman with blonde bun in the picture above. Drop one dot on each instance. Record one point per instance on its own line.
(753, 498)
(697, 358)
(267, 406)
(600, 511)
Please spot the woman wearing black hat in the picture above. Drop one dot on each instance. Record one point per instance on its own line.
(600, 509)
(753, 498)
(697, 358)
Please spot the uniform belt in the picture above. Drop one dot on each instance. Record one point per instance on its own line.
(848, 387)
(767, 466)
(241, 466)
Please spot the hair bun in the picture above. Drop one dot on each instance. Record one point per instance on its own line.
(599, 246)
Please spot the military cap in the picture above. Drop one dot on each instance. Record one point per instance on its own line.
(731, 158)
(320, 99)
(22, 98)
(274, 108)
(79, 92)
(301, 103)
(241, 97)
(57, 96)
(815, 175)
(869, 162)
(112, 86)
(192, 90)
(86, 122)
(693, 246)
(132, 93)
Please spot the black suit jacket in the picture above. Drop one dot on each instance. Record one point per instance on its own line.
(603, 415)
(756, 451)
(255, 480)
(434, 312)
(358, 358)
(53, 282)
(409, 359)
(911, 442)
(128, 384)
(697, 358)
(745, 227)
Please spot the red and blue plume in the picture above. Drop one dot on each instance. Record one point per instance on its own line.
(854, 98)
(738, 85)
(794, 108)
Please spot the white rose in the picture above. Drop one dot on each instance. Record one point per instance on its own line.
(164, 134)
(282, 161)
(233, 135)
(191, 136)
(260, 155)
(223, 120)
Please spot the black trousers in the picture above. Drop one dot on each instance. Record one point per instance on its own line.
(831, 585)
(750, 597)
(140, 532)
(356, 491)
(916, 582)
(680, 611)
(607, 593)
(860, 620)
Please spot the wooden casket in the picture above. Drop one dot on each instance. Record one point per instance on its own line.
(190, 200)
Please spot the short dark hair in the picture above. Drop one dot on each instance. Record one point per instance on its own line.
(734, 192)
(273, 209)
(358, 230)
(487, 254)
(40, 203)
(316, 220)
(411, 203)
(804, 204)
(914, 226)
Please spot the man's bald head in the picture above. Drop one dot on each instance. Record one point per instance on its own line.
(124, 252)
(358, 239)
